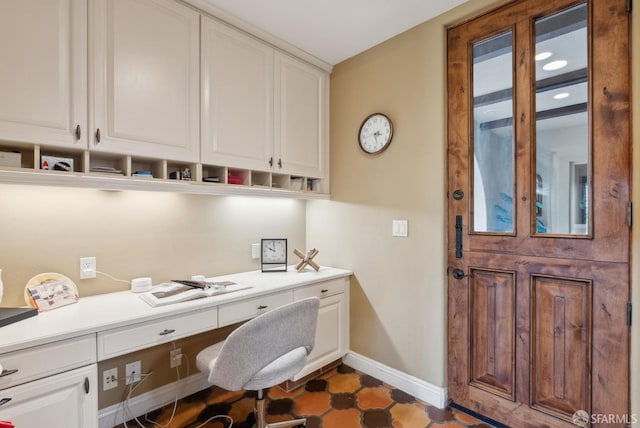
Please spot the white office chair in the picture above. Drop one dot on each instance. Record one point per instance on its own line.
(264, 352)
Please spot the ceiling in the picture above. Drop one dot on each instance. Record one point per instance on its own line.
(334, 30)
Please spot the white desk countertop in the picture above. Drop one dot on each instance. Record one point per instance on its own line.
(106, 311)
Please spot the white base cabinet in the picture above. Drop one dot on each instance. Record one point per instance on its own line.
(332, 331)
(66, 400)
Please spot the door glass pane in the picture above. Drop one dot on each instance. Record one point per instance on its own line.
(493, 154)
(562, 130)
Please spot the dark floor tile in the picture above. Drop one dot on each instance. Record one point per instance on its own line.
(316, 385)
(401, 396)
(376, 418)
(279, 407)
(344, 369)
(343, 400)
(440, 415)
(370, 381)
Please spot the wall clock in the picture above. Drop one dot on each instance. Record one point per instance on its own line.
(273, 255)
(375, 133)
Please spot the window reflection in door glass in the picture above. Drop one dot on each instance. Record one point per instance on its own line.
(493, 154)
(562, 133)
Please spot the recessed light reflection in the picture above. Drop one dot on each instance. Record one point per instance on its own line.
(561, 96)
(555, 65)
(542, 56)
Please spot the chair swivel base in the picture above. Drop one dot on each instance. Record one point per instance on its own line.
(260, 420)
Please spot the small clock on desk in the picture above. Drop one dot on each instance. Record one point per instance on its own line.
(273, 256)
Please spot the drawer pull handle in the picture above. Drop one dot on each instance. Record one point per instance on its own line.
(262, 307)
(78, 132)
(8, 372)
(324, 291)
(86, 385)
(167, 331)
(4, 401)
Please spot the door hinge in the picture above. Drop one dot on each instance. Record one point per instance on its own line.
(629, 312)
(629, 214)
(629, 6)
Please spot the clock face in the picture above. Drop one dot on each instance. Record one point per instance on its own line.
(375, 133)
(274, 251)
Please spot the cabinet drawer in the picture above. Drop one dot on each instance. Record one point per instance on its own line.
(321, 289)
(46, 360)
(247, 309)
(124, 340)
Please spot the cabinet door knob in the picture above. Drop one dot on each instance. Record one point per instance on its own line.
(271, 161)
(86, 385)
(78, 132)
(262, 307)
(279, 163)
(324, 291)
(98, 135)
(167, 331)
(8, 372)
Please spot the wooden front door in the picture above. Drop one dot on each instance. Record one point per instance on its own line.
(539, 192)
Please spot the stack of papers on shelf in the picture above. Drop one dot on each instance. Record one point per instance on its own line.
(105, 169)
(173, 292)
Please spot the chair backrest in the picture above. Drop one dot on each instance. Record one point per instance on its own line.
(264, 339)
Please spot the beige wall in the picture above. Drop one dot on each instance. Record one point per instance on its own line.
(398, 301)
(132, 234)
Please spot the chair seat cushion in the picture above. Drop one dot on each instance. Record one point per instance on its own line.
(207, 357)
(279, 370)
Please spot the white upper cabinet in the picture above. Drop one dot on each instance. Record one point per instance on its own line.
(144, 69)
(301, 115)
(43, 83)
(237, 98)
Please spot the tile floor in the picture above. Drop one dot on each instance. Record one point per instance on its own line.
(341, 398)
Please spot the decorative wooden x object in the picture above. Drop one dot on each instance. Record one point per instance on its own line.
(307, 259)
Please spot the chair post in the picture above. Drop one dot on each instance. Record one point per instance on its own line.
(260, 411)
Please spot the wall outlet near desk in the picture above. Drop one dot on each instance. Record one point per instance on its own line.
(110, 379)
(87, 267)
(133, 372)
(175, 358)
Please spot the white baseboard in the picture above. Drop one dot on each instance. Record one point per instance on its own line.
(154, 399)
(431, 394)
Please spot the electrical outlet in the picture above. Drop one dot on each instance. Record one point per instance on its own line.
(87, 267)
(175, 358)
(255, 251)
(133, 372)
(110, 379)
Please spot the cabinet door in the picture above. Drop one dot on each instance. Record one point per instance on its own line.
(59, 401)
(43, 77)
(237, 98)
(331, 334)
(145, 96)
(301, 92)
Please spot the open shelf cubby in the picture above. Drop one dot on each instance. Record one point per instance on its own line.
(22, 163)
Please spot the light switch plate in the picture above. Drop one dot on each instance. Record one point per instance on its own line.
(400, 228)
(255, 251)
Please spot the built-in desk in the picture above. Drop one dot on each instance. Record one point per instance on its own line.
(54, 354)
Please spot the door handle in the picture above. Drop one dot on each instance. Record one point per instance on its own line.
(4, 401)
(78, 132)
(458, 274)
(166, 331)
(458, 237)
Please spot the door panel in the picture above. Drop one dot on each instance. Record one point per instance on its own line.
(560, 344)
(493, 331)
(537, 323)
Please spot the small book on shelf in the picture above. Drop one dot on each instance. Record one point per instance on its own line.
(175, 292)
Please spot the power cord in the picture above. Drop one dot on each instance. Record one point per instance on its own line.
(144, 377)
(113, 277)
